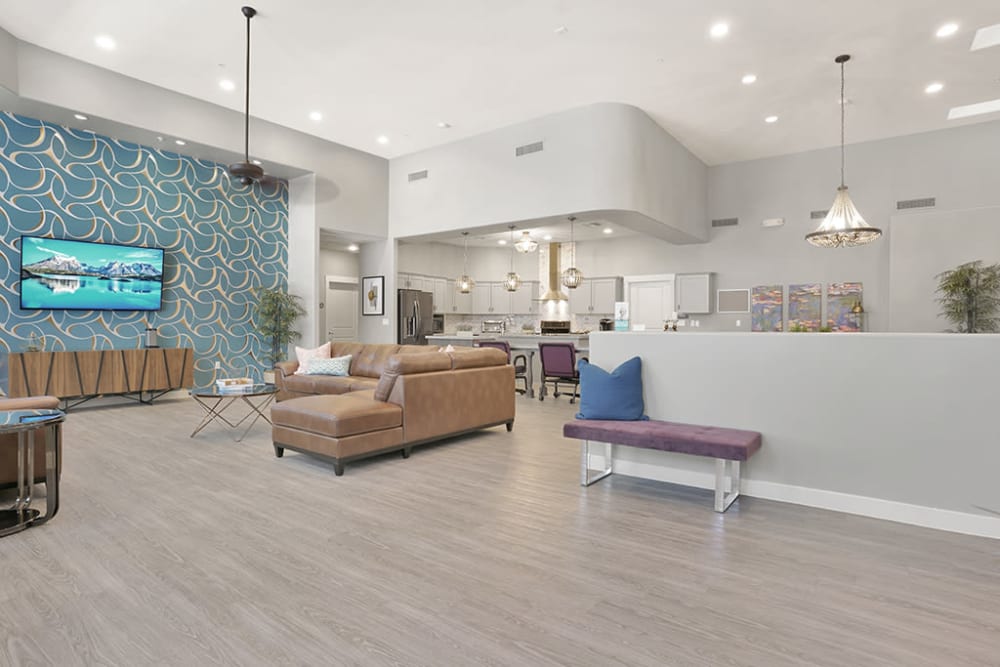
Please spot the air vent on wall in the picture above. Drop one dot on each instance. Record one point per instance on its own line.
(416, 176)
(725, 222)
(818, 215)
(926, 202)
(528, 148)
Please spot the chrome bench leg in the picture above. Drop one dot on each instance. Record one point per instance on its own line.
(722, 499)
(585, 478)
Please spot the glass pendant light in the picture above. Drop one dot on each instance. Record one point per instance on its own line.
(525, 244)
(465, 283)
(843, 226)
(572, 277)
(512, 281)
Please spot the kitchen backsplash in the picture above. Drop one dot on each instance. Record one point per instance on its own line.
(516, 322)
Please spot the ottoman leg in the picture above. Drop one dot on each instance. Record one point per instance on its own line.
(406, 452)
(338, 468)
(279, 451)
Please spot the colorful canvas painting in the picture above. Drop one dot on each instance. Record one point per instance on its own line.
(805, 307)
(765, 309)
(840, 300)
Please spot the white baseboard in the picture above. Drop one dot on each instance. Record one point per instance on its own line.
(878, 508)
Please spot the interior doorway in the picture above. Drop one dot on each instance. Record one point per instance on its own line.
(342, 308)
(650, 300)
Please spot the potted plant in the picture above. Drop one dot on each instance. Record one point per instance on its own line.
(277, 311)
(970, 297)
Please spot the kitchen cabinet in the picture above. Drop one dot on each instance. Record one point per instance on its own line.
(693, 293)
(481, 303)
(410, 281)
(439, 288)
(595, 296)
(499, 299)
(525, 300)
(456, 302)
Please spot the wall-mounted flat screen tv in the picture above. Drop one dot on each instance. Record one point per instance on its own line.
(79, 275)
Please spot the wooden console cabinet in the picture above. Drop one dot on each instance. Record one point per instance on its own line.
(143, 374)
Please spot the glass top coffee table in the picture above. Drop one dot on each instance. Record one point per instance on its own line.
(215, 401)
(27, 424)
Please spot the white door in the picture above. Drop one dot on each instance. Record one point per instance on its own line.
(650, 301)
(342, 305)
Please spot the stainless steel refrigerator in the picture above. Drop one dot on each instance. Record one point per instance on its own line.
(416, 317)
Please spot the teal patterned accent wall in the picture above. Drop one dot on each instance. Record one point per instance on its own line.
(222, 241)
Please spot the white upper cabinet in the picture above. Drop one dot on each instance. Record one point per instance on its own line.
(481, 303)
(693, 293)
(499, 299)
(595, 296)
(524, 300)
(439, 287)
(461, 304)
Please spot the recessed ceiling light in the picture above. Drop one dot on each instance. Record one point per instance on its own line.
(382, 139)
(105, 42)
(608, 230)
(502, 242)
(180, 142)
(947, 30)
(257, 162)
(443, 125)
(547, 237)
(353, 247)
(934, 88)
(748, 79)
(561, 30)
(227, 85)
(844, 100)
(977, 109)
(719, 30)
(79, 116)
(159, 138)
(771, 119)
(315, 115)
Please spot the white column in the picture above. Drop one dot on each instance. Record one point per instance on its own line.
(303, 255)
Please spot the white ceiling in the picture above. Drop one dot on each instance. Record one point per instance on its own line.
(394, 68)
(586, 228)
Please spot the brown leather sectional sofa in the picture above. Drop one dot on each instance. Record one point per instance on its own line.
(394, 398)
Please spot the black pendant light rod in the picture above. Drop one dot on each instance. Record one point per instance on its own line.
(248, 12)
(843, 111)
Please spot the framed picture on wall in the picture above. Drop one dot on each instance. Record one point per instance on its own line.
(373, 295)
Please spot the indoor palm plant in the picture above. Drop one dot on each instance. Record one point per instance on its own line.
(970, 297)
(277, 311)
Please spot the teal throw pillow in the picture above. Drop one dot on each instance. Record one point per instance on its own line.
(616, 395)
(334, 366)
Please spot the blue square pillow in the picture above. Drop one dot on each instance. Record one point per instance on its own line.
(615, 395)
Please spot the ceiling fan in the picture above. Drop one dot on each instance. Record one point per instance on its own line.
(248, 172)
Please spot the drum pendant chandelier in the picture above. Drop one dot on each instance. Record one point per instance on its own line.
(512, 281)
(843, 226)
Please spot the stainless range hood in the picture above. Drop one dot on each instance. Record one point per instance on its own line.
(555, 276)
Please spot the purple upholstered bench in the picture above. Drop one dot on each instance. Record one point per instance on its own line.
(726, 445)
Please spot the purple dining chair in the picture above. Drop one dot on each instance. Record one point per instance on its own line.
(520, 362)
(559, 365)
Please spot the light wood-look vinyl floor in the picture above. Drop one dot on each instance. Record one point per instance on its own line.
(480, 551)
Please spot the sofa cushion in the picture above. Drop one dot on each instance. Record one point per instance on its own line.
(336, 416)
(477, 357)
(318, 384)
(370, 360)
(405, 364)
(304, 354)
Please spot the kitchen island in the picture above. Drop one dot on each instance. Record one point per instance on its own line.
(526, 343)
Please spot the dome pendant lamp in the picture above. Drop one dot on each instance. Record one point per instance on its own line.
(247, 172)
(843, 226)
(512, 281)
(572, 277)
(465, 283)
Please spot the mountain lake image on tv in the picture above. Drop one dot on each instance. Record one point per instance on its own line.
(79, 275)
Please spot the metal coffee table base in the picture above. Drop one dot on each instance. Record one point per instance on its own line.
(22, 515)
(214, 411)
